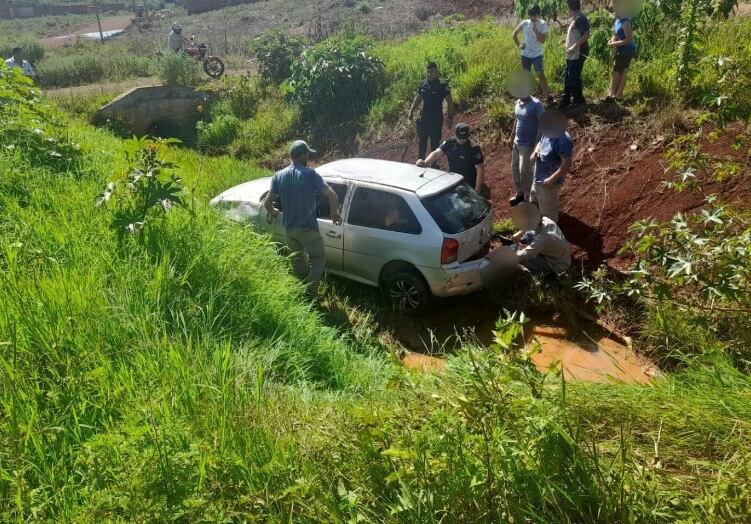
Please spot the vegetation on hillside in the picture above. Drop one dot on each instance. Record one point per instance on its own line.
(175, 372)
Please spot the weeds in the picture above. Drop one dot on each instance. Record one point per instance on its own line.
(178, 69)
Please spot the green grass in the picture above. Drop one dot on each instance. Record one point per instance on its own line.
(184, 377)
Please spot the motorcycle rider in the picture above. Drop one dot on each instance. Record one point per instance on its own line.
(176, 40)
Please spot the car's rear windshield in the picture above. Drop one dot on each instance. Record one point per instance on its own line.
(457, 209)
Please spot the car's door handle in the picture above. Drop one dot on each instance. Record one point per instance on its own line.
(333, 234)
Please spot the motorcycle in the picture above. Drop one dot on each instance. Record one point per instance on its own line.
(212, 65)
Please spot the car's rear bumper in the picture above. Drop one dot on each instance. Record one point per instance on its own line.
(460, 279)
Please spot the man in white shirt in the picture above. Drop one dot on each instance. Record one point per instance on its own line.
(17, 61)
(176, 41)
(534, 33)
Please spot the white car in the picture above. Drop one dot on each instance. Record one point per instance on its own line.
(412, 231)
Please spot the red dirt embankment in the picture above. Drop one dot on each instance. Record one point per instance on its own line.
(616, 180)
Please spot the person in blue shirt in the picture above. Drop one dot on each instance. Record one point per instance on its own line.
(526, 134)
(625, 48)
(553, 158)
(297, 188)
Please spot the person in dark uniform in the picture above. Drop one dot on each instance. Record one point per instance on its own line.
(464, 155)
(432, 92)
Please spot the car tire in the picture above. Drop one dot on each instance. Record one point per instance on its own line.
(407, 292)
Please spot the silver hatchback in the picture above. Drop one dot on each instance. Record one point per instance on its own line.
(412, 231)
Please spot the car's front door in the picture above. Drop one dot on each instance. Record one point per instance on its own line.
(332, 234)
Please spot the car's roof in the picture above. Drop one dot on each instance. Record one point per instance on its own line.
(399, 175)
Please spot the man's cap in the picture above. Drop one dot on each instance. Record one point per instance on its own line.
(300, 148)
(16, 49)
(462, 131)
(553, 122)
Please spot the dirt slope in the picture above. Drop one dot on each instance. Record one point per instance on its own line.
(616, 180)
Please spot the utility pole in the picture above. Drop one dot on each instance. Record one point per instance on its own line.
(98, 22)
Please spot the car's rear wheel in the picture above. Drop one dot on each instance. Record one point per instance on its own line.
(407, 292)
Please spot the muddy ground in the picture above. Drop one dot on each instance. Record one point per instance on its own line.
(617, 179)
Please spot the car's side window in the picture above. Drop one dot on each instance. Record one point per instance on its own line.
(322, 208)
(382, 210)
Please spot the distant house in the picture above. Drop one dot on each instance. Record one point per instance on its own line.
(5, 13)
(201, 6)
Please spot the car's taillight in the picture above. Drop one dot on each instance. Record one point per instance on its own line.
(449, 250)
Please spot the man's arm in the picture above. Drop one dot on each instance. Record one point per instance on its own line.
(515, 35)
(480, 177)
(536, 153)
(510, 139)
(415, 103)
(628, 30)
(268, 203)
(432, 158)
(333, 205)
(564, 168)
(450, 110)
(541, 37)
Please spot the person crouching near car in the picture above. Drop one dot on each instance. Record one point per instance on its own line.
(296, 187)
(553, 157)
(464, 156)
(540, 245)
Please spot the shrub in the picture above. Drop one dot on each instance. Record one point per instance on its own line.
(275, 53)
(178, 69)
(217, 135)
(265, 136)
(32, 48)
(242, 95)
(92, 67)
(30, 127)
(335, 82)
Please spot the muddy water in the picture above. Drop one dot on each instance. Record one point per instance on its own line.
(592, 357)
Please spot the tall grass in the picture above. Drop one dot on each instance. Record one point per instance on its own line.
(89, 68)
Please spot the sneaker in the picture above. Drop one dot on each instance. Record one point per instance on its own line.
(564, 102)
(515, 200)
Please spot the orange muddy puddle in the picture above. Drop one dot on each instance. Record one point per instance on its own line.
(591, 357)
(423, 363)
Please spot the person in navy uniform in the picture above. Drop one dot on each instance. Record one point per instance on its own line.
(432, 92)
(464, 155)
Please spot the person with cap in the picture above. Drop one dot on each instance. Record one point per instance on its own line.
(297, 188)
(553, 158)
(176, 40)
(534, 32)
(16, 60)
(431, 93)
(464, 156)
(540, 245)
(526, 134)
(577, 51)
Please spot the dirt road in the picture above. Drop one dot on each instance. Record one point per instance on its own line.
(110, 25)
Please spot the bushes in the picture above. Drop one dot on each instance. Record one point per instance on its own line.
(31, 127)
(178, 69)
(275, 53)
(217, 135)
(334, 83)
(92, 67)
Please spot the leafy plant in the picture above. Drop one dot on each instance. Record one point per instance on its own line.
(550, 9)
(335, 82)
(275, 53)
(217, 135)
(30, 126)
(178, 69)
(149, 189)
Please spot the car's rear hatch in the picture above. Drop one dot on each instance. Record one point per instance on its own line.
(461, 213)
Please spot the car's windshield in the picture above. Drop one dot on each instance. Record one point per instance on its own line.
(457, 209)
